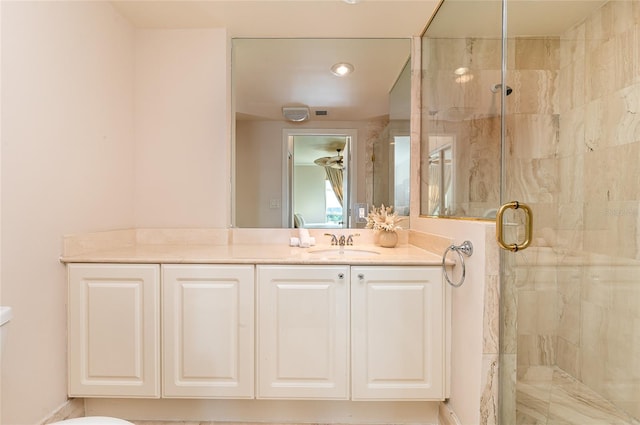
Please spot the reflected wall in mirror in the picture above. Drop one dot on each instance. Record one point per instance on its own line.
(441, 174)
(461, 107)
(372, 105)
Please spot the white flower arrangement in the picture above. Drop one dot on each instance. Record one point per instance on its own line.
(383, 218)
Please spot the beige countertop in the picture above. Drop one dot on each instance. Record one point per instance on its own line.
(259, 254)
(223, 246)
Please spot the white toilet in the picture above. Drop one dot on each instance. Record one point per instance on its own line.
(5, 318)
(93, 420)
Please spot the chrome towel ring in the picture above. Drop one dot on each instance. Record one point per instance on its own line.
(467, 249)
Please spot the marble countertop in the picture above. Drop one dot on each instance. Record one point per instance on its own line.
(246, 246)
(258, 254)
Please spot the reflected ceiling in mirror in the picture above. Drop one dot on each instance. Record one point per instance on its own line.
(269, 74)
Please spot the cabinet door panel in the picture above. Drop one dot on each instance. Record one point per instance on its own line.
(303, 332)
(397, 336)
(114, 330)
(208, 331)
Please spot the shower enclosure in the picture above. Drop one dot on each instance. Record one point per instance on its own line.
(540, 101)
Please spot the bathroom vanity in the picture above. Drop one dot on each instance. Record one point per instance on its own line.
(256, 321)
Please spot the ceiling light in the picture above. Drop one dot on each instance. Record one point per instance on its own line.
(341, 69)
(461, 71)
(351, 1)
(295, 113)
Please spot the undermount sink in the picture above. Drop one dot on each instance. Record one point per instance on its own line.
(347, 252)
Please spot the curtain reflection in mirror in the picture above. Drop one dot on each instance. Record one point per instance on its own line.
(335, 177)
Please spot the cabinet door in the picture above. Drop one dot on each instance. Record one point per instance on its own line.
(114, 329)
(208, 331)
(303, 332)
(398, 339)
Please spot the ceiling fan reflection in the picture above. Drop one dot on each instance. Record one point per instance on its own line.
(331, 161)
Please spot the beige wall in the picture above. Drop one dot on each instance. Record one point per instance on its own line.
(67, 167)
(182, 141)
(82, 150)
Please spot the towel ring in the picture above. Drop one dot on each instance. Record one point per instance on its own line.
(467, 249)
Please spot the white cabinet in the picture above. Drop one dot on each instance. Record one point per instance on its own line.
(323, 332)
(303, 332)
(208, 331)
(114, 327)
(398, 336)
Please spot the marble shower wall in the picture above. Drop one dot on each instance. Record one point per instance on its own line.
(573, 140)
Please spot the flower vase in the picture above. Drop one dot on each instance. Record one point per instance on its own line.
(387, 239)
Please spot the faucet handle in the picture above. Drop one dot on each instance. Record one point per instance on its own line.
(350, 238)
(334, 239)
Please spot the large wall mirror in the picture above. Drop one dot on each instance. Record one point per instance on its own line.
(314, 149)
(461, 111)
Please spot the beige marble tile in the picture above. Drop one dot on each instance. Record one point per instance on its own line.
(624, 15)
(489, 390)
(622, 120)
(534, 92)
(534, 136)
(572, 45)
(509, 318)
(73, 408)
(507, 389)
(572, 85)
(600, 68)
(537, 53)
(568, 357)
(626, 56)
(599, 26)
(446, 416)
(428, 241)
(491, 319)
(536, 350)
(574, 124)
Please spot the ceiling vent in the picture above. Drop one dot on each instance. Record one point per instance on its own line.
(296, 113)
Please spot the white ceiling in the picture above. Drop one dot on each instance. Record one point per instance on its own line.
(285, 18)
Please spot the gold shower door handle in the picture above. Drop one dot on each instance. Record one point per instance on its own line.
(528, 226)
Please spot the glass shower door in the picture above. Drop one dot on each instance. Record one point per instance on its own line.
(570, 303)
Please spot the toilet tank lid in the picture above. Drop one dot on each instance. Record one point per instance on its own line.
(5, 315)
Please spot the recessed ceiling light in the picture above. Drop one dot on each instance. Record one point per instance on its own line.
(461, 71)
(341, 69)
(351, 1)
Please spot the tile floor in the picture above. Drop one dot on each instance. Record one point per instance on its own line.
(550, 396)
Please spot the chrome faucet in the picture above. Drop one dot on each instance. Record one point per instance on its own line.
(334, 239)
(342, 240)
